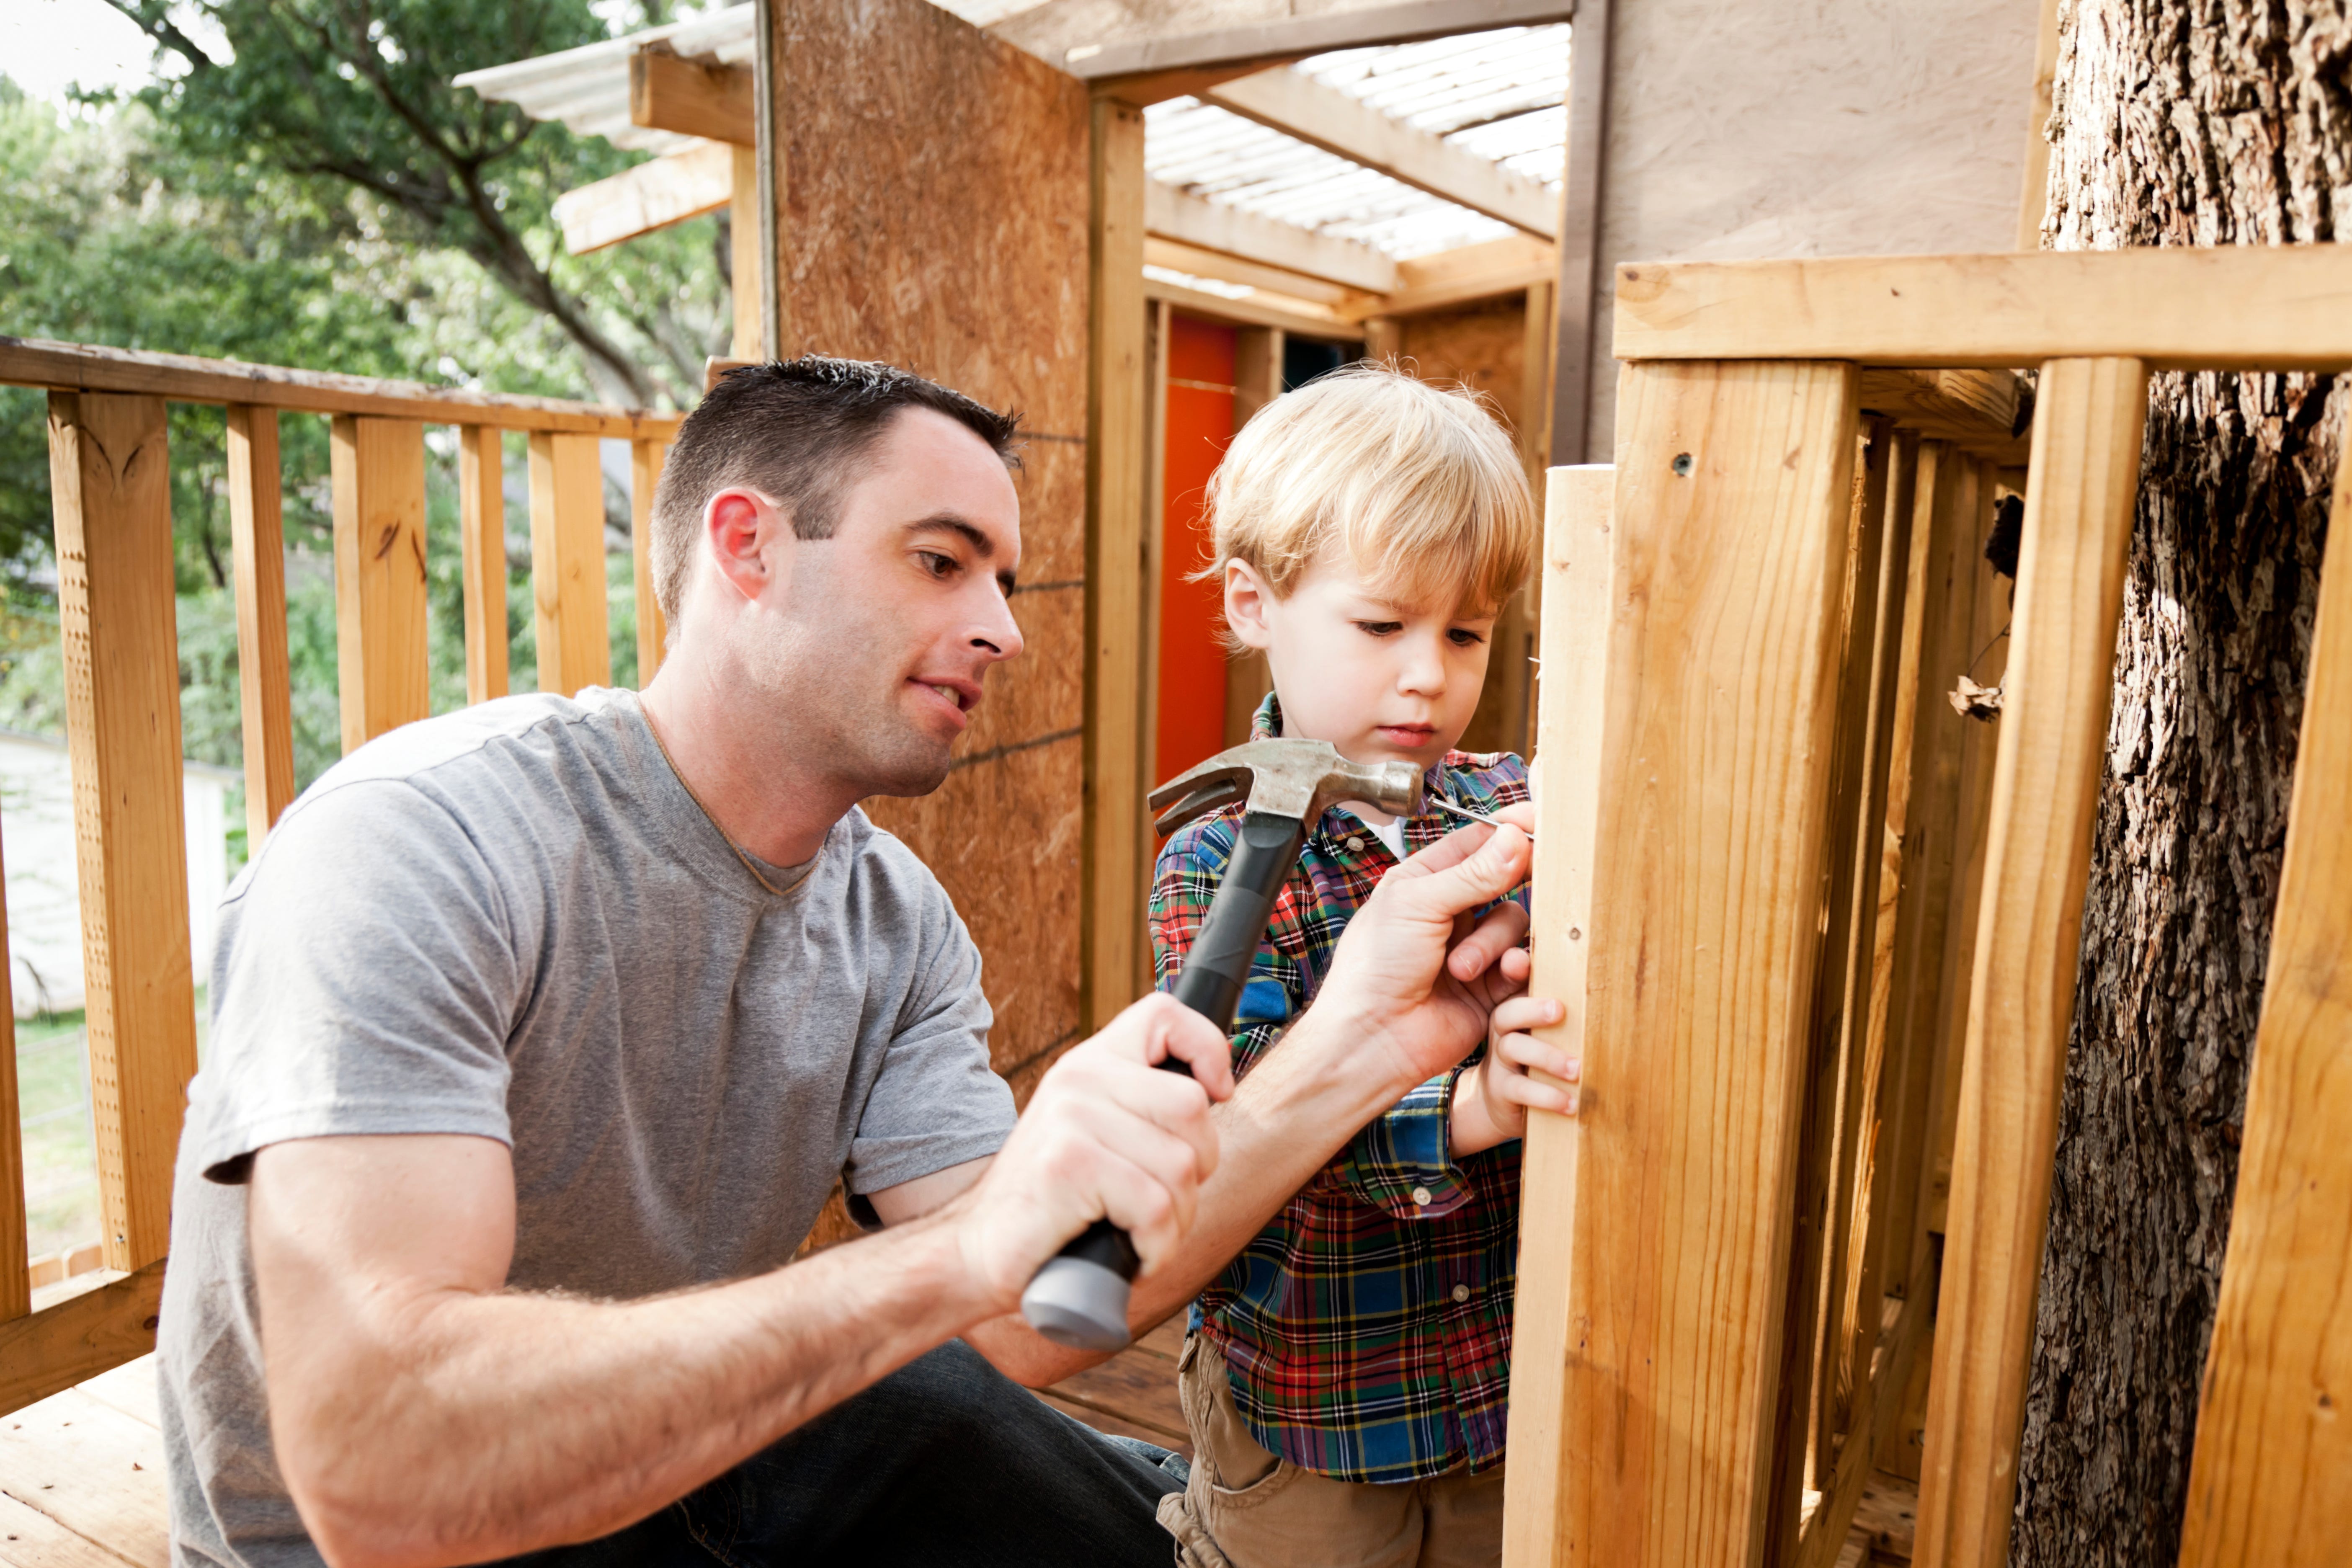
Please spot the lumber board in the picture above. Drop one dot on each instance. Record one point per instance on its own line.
(1127, 67)
(1225, 268)
(1975, 410)
(93, 1471)
(669, 189)
(183, 378)
(646, 459)
(1306, 111)
(1468, 272)
(112, 492)
(79, 1337)
(131, 1388)
(1576, 563)
(748, 293)
(1578, 280)
(1117, 465)
(2088, 416)
(1160, 324)
(258, 552)
(567, 563)
(2174, 307)
(1177, 215)
(1303, 318)
(15, 1273)
(2033, 203)
(377, 470)
(1733, 503)
(31, 1539)
(709, 99)
(2266, 1484)
(482, 541)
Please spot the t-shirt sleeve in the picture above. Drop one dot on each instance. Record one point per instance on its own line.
(936, 1101)
(365, 980)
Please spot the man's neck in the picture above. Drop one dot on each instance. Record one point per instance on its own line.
(767, 800)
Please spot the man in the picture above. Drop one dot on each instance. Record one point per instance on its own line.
(543, 1030)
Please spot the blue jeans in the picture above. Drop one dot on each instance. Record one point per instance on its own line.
(944, 1463)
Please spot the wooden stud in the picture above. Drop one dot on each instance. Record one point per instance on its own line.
(2274, 1444)
(1160, 318)
(111, 490)
(1732, 507)
(645, 459)
(78, 1338)
(378, 472)
(1576, 560)
(746, 276)
(1116, 445)
(15, 1276)
(694, 180)
(691, 97)
(1383, 339)
(2088, 416)
(1297, 36)
(567, 563)
(1172, 214)
(2035, 202)
(482, 532)
(258, 549)
(1257, 381)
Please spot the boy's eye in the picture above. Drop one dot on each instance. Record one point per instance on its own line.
(1380, 628)
(1462, 637)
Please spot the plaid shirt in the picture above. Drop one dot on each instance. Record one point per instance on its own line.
(1368, 1327)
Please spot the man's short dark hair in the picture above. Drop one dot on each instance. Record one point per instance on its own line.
(795, 430)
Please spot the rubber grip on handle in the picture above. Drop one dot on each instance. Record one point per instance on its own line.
(1080, 1297)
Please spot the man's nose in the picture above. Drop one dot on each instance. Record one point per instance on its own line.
(998, 632)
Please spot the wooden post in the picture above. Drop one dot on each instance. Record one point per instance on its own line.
(2273, 1442)
(482, 530)
(567, 562)
(2078, 512)
(1159, 321)
(111, 491)
(646, 459)
(1257, 381)
(746, 277)
(1111, 932)
(1577, 550)
(257, 549)
(378, 470)
(16, 1278)
(1383, 340)
(1733, 501)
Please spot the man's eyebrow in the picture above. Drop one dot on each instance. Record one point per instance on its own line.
(981, 546)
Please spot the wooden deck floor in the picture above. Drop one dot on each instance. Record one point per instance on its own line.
(81, 1475)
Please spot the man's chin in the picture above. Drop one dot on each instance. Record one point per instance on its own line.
(916, 769)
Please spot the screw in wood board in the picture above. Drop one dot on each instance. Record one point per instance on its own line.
(1683, 464)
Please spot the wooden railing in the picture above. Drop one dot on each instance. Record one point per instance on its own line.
(109, 475)
(1819, 933)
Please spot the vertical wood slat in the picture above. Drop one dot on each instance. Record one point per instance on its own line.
(111, 491)
(15, 1276)
(1160, 318)
(482, 536)
(2087, 422)
(744, 271)
(378, 472)
(2267, 1482)
(257, 549)
(567, 562)
(1575, 564)
(646, 459)
(1732, 505)
(1111, 929)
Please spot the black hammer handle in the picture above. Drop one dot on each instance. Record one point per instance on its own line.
(1079, 1299)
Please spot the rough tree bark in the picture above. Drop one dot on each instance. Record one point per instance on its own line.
(2180, 122)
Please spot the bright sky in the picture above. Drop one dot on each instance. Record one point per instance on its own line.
(48, 45)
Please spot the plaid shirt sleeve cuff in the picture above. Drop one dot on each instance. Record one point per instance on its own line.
(1402, 1162)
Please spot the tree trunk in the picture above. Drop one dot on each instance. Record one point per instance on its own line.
(2179, 123)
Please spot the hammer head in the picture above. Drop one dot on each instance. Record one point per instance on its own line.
(1296, 779)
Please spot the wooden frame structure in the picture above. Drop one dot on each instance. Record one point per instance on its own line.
(1723, 1276)
(110, 470)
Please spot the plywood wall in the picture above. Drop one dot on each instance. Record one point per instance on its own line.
(931, 187)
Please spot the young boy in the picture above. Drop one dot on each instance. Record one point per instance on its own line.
(1345, 1379)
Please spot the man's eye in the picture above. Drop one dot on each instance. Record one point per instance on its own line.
(1380, 628)
(937, 565)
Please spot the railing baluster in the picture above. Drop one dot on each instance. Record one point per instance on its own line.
(15, 1277)
(111, 490)
(379, 485)
(567, 562)
(646, 459)
(257, 537)
(482, 527)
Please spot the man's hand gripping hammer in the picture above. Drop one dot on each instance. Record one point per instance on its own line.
(1079, 1299)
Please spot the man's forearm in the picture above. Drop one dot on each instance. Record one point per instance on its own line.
(498, 1423)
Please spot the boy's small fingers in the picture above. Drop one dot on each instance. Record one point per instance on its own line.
(1537, 1095)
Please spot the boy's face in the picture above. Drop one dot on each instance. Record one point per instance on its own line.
(1380, 680)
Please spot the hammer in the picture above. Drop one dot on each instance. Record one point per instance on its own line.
(1079, 1299)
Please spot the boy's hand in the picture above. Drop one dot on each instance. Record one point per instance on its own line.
(1492, 1099)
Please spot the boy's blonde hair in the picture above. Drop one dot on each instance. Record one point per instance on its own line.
(1416, 483)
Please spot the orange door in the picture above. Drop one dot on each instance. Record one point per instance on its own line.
(1191, 692)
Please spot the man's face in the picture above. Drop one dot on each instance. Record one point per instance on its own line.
(889, 629)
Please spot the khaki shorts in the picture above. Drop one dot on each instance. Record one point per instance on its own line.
(1245, 1508)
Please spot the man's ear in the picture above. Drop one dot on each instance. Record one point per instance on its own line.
(750, 539)
(1246, 599)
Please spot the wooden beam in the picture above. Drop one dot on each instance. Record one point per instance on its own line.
(646, 459)
(16, 1275)
(1229, 269)
(2035, 200)
(1300, 107)
(79, 1337)
(2078, 513)
(747, 277)
(257, 551)
(1117, 448)
(183, 378)
(567, 564)
(1975, 410)
(1175, 214)
(1451, 277)
(2177, 308)
(2274, 1446)
(1300, 318)
(1545, 1344)
(1733, 501)
(110, 488)
(1110, 66)
(690, 97)
(1579, 232)
(669, 189)
(482, 533)
(378, 472)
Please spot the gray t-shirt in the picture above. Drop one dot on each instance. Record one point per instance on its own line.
(514, 921)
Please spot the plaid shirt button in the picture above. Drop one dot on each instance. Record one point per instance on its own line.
(1461, 1293)
(1421, 1197)
(1354, 843)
